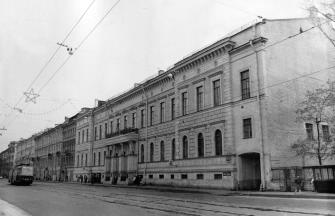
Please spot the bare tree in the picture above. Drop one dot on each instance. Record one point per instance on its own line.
(317, 106)
(322, 14)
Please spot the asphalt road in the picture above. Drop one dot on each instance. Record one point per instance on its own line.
(75, 199)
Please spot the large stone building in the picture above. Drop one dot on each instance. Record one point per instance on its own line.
(25, 151)
(48, 151)
(7, 158)
(221, 117)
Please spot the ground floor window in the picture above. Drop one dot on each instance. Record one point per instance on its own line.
(200, 176)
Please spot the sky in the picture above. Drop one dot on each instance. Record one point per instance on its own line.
(136, 39)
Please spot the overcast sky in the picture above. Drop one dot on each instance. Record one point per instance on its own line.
(138, 38)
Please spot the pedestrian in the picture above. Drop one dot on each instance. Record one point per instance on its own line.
(81, 179)
(298, 182)
(313, 184)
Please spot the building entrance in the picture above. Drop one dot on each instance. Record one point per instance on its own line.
(250, 172)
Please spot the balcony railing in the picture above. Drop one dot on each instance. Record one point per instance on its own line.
(122, 132)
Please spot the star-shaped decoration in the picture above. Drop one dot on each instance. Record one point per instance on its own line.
(31, 96)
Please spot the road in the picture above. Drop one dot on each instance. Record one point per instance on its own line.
(74, 199)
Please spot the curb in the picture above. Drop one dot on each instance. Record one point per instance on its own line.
(7, 209)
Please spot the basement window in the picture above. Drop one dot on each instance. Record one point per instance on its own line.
(172, 176)
(200, 176)
(183, 176)
(161, 176)
(217, 176)
(151, 176)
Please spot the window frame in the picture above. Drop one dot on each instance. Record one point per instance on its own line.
(247, 134)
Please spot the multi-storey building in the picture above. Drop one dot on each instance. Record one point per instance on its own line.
(214, 118)
(7, 158)
(68, 148)
(48, 154)
(25, 151)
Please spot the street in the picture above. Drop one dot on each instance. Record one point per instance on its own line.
(74, 199)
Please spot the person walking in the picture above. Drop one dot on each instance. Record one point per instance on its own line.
(298, 182)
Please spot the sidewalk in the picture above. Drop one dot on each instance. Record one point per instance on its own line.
(221, 192)
(7, 209)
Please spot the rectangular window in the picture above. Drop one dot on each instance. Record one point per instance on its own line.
(173, 109)
(151, 115)
(216, 93)
(183, 176)
(95, 133)
(85, 159)
(184, 103)
(118, 125)
(247, 130)
(172, 176)
(151, 176)
(133, 120)
(125, 121)
(106, 129)
(161, 176)
(98, 158)
(78, 137)
(86, 135)
(200, 98)
(83, 136)
(217, 176)
(309, 131)
(100, 132)
(104, 157)
(162, 112)
(142, 118)
(245, 85)
(200, 176)
(111, 127)
(325, 132)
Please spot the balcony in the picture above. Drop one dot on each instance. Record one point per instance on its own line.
(125, 135)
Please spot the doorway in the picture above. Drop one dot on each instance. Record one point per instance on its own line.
(250, 178)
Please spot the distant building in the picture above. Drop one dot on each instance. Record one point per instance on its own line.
(7, 159)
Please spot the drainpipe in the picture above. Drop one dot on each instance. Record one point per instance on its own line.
(263, 178)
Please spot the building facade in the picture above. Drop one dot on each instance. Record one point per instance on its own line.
(213, 119)
(48, 151)
(68, 148)
(7, 158)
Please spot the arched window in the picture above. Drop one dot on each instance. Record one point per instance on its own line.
(151, 152)
(185, 147)
(218, 142)
(162, 150)
(200, 145)
(142, 153)
(173, 149)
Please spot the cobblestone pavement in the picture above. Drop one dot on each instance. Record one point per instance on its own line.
(74, 199)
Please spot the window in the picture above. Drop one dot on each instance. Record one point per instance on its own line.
(151, 115)
(151, 152)
(111, 127)
(162, 112)
(325, 133)
(98, 158)
(245, 85)
(151, 176)
(172, 176)
(77, 160)
(83, 137)
(162, 150)
(86, 135)
(125, 121)
(216, 93)
(142, 153)
(200, 176)
(104, 157)
(309, 131)
(118, 125)
(86, 159)
(161, 176)
(94, 158)
(200, 145)
(95, 133)
(218, 142)
(200, 99)
(184, 103)
(247, 130)
(133, 120)
(106, 129)
(82, 159)
(173, 149)
(217, 176)
(142, 118)
(183, 176)
(173, 109)
(78, 137)
(185, 147)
